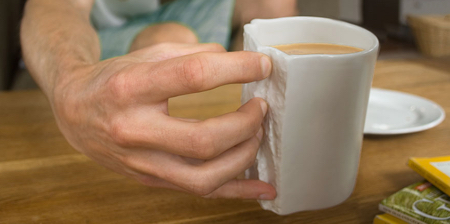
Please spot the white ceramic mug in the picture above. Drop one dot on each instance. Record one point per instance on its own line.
(317, 106)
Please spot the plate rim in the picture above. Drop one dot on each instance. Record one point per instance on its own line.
(415, 129)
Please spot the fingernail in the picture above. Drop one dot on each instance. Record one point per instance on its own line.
(259, 135)
(264, 107)
(265, 197)
(266, 66)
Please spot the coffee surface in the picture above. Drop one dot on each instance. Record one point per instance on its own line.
(316, 48)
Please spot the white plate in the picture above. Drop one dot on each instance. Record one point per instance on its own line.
(391, 112)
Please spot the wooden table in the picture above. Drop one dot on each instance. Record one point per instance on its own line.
(43, 180)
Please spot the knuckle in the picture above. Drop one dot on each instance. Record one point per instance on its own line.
(193, 73)
(119, 86)
(202, 185)
(119, 134)
(201, 145)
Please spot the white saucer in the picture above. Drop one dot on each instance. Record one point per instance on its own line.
(391, 112)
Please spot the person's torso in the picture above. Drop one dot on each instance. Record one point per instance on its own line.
(111, 13)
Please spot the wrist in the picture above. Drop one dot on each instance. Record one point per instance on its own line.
(65, 79)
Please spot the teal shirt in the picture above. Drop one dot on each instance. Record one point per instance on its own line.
(119, 21)
(114, 13)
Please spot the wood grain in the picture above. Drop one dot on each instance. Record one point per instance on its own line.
(43, 180)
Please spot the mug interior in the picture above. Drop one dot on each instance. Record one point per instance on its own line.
(301, 29)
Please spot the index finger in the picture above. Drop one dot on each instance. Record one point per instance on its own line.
(199, 72)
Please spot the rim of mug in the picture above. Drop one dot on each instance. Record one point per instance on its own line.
(374, 47)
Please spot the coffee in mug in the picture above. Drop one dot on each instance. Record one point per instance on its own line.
(316, 48)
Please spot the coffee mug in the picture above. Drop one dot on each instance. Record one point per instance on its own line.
(317, 105)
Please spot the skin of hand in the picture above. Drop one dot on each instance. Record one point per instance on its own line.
(115, 111)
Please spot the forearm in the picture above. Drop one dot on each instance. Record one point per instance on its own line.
(57, 38)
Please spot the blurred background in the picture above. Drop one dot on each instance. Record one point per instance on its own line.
(405, 28)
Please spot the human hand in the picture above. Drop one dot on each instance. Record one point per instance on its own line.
(116, 113)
